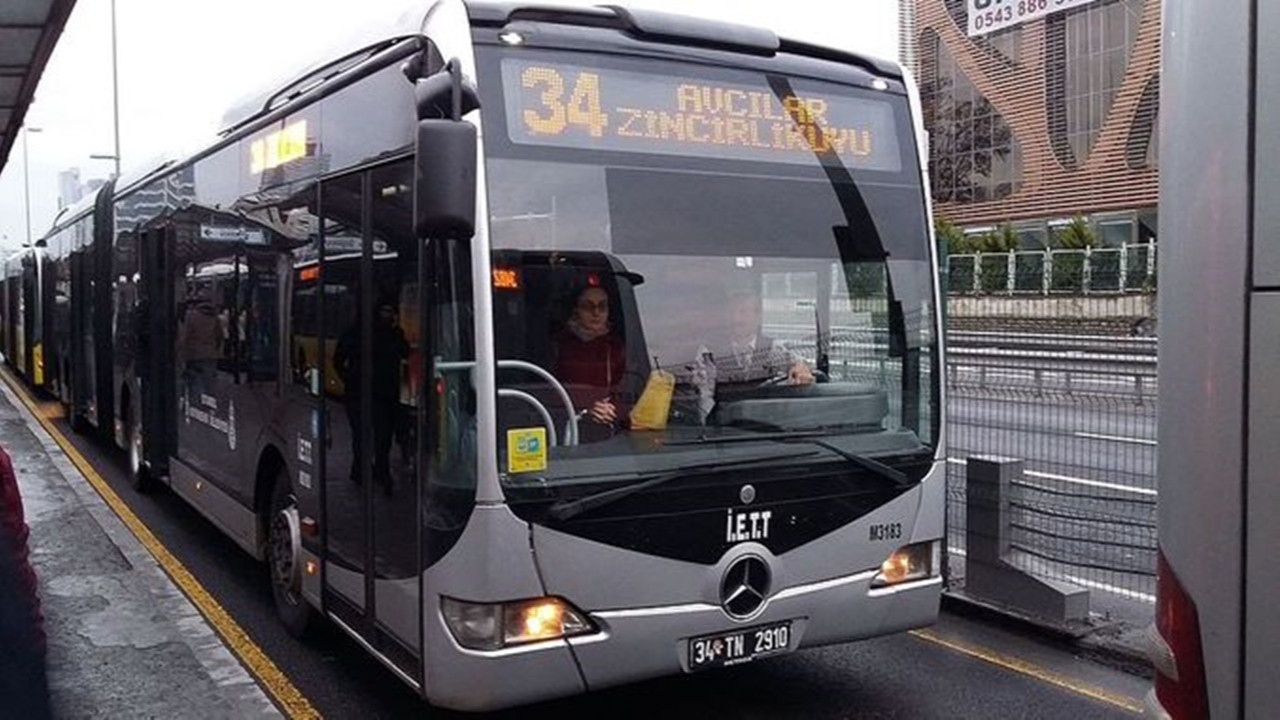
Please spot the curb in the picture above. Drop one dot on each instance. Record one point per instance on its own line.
(1114, 644)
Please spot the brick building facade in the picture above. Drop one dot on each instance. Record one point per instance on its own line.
(1039, 122)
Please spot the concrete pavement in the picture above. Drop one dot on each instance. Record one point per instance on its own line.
(124, 642)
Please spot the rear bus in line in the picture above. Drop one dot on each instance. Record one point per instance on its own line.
(24, 317)
(1216, 636)
(343, 332)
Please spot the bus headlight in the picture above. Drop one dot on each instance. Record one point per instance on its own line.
(493, 626)
(913, 562)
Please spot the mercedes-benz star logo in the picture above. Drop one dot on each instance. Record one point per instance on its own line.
(747, 494)
(745, 586)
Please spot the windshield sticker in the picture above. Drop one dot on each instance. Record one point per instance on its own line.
(526, 450)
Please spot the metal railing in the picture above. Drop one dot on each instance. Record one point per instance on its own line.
(1128, 269)
(1066, 364)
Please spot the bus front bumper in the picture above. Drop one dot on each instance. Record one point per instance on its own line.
(642, 643)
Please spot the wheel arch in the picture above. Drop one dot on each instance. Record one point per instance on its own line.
(271, 464)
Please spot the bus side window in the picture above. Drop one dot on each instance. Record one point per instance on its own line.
(261, 317)
(304, 351)
(299, 258)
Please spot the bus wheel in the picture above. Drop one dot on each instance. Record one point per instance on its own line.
(284, 558)
(139, 478)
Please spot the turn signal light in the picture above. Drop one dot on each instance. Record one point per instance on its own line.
(913, 562)
(492, 626)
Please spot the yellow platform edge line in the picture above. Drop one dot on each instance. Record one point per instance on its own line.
(1035, 671)
(282, 691)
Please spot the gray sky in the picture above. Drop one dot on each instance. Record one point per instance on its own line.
(182, 63)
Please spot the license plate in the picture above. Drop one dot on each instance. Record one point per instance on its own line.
(739, 646)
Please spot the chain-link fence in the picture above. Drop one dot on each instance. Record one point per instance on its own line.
(1079, 411)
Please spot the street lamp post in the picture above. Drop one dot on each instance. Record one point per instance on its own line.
(115, 98)
(26, 176)
(115, 87)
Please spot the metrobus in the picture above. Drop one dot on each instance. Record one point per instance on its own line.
(23, 305)
(1216, 633)
(335, 331)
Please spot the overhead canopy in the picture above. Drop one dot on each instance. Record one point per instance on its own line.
(29, 29)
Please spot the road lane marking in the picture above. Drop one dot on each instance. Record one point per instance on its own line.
(286, 696)
(1116, 438)
(1035, 671)
(1078, 481)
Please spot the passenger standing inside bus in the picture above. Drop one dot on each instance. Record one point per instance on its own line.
(200, 340)
(591, 362)
(388, 352)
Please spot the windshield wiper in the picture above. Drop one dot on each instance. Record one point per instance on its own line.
(812, 437)
(566, 509)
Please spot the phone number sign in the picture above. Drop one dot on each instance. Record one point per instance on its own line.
(987, 16)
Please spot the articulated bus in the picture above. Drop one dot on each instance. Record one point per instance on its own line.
(1217, 632)
(340, 332)
(24, 313)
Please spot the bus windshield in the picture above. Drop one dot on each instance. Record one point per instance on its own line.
(693, 263)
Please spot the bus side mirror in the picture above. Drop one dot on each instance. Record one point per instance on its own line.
(445, 182)
(444, 205)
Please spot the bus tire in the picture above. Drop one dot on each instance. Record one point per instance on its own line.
(139, 477)
(284, 561)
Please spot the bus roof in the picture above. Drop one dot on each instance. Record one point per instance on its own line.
(655, 26)
(648, 25)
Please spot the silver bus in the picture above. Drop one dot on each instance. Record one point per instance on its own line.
(1217, 632)
(542, 349)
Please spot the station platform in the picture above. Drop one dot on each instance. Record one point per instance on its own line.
(124, 641)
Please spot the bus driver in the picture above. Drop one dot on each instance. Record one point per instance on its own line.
(748, 357)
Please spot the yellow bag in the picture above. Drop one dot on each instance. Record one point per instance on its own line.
(650, 411)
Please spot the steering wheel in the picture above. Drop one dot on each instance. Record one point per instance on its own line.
(775, 380)
(781, 378)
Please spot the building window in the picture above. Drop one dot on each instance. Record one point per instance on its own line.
(974, 156)
(1087, 52)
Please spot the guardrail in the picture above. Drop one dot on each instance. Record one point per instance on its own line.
(1128, 269)
(1053, 343)
(1064, 363)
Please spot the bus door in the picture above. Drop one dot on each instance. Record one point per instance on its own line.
(81, 338)
(18, 307)
(33, 348)
(371, 341)
(153, 317)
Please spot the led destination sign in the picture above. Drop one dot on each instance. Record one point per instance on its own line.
(556, 104)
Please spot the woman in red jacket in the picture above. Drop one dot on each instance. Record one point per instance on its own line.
(591, 362)
(24, 689)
